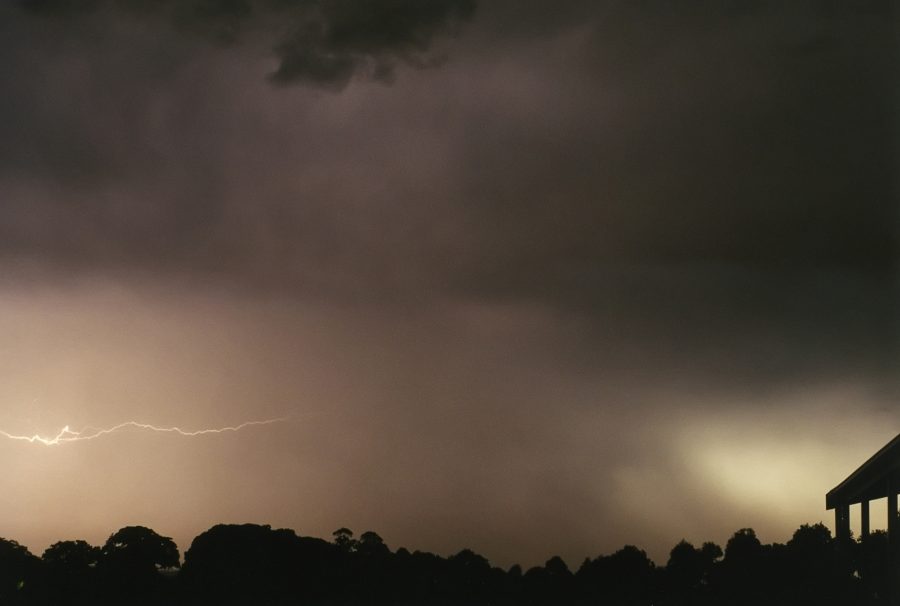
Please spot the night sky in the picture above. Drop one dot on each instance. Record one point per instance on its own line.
(532, 278)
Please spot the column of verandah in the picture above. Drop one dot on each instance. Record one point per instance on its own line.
(842, 515)
(892, 512)
(842, 522)
(864, 518)
(893, 536)
(842, 530)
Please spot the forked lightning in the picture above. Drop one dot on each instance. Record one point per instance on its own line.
(67, 434)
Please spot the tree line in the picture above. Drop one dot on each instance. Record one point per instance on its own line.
(256, 564)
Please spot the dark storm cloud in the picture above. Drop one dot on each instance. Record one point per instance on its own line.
(321, 42)
(706, 176)
(726, 189)
(759, 136)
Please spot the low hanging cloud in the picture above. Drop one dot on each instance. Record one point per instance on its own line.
(325, 43)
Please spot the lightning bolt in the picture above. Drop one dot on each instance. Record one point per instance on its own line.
(66, 434)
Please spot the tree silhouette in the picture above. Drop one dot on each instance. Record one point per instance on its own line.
(71, 571)
(811, 557)
(874, 564)
(370, 544)
(256, 564)
(20, 573)
(743, 547)
(469, 575)
(687, 573)
(74, 556)
(741, 577)
(343, 538)
(626, 577)
(131, 562)
(552, 582)
(250, 563)
(140, 548)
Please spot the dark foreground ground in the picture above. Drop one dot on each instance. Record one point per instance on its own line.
(251, 564)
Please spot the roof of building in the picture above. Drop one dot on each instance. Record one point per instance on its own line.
(870, 481)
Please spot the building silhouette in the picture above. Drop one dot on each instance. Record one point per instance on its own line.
(877, 478)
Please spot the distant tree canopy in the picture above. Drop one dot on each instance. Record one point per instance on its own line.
(256, 564)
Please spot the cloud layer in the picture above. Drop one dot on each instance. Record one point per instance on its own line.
(319, 42)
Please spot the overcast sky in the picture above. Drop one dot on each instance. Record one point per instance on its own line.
(531, 278)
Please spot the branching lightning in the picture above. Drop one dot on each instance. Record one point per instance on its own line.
(66, 434)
